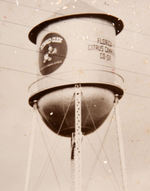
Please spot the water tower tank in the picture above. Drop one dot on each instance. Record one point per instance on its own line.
(76, 46)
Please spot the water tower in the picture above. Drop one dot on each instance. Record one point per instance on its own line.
(78, 84)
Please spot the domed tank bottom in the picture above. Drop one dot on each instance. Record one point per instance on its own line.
(57, 109)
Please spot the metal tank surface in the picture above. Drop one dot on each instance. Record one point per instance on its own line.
(76, 48)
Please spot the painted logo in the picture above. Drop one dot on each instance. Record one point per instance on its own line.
(52, 54)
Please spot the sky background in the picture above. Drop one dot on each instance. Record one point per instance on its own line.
(18, 69)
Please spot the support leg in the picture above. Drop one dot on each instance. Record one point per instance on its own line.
(121, 147)
(76, 143)
(31, 145)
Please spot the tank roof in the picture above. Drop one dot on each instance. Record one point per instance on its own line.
(75, 9)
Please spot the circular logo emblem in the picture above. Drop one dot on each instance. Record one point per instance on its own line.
(53, 50)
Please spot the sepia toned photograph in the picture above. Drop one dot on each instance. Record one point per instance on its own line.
(75, 95)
